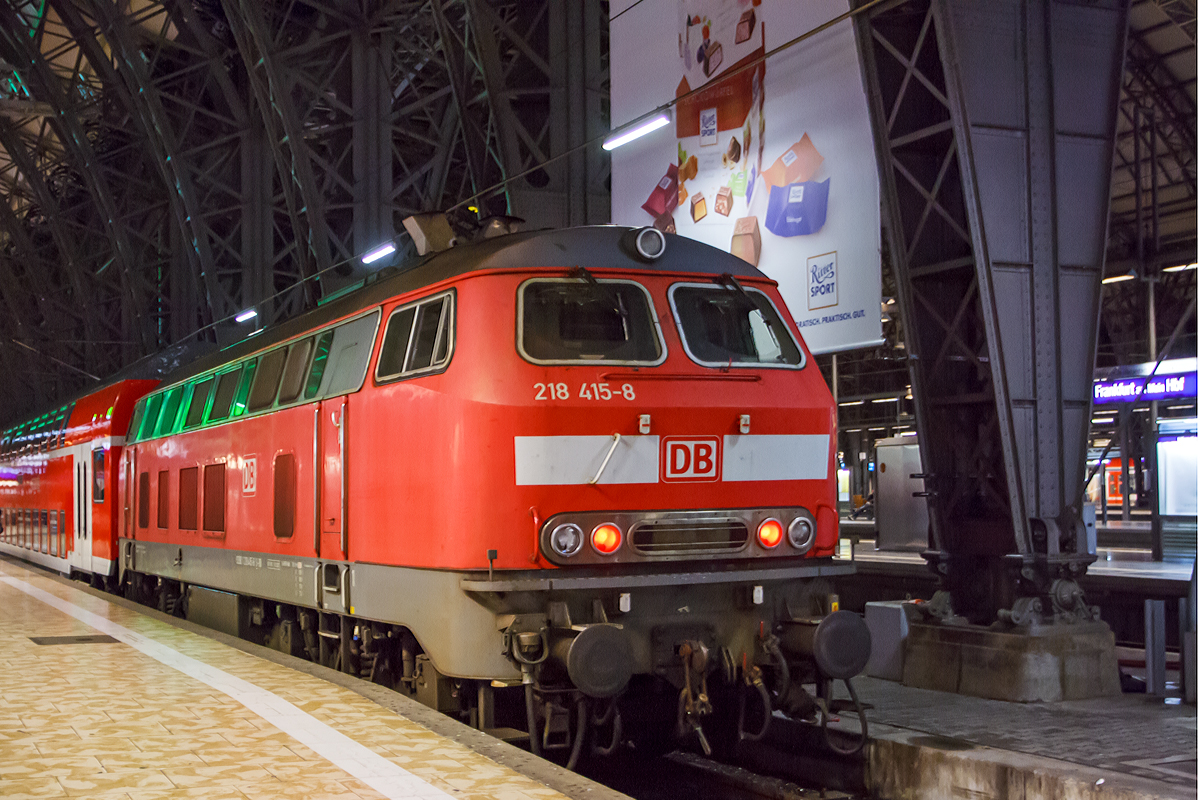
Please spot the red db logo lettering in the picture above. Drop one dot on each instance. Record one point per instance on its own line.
(690, 459)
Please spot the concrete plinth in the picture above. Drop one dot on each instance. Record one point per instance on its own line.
(1045, 664)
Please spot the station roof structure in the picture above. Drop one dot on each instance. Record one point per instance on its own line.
(166, 164)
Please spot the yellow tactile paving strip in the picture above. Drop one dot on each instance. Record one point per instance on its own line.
(107, 721)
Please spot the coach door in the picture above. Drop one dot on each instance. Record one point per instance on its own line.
(81, 555)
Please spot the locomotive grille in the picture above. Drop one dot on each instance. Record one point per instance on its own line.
(689, 537)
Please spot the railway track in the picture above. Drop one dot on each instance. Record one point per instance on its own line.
(682, 774)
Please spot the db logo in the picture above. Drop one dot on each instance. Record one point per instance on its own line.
(249, 475)
(690, 459)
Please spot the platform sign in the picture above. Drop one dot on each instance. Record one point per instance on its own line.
(1159, 387)
(770, 160)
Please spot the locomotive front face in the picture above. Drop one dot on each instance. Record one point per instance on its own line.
(672, 420)
(670, 478)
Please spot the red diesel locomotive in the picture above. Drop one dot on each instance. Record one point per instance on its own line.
(597, 463)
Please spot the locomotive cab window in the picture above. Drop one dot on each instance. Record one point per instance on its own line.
(568, 320)
(418, 339)
(725, 326)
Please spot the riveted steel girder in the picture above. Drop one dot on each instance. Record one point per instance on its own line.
(167, 163)
(994, 125)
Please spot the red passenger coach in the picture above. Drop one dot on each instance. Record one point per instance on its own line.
(58, 473)
(597, 463)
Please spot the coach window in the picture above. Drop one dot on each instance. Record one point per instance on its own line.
(569, 320)
(189, 496)
(285, 495)
(152, 407)
(243, 392)
(144, 500)
(164, 499)
(98, 476)
(724, 326)
(195, 412)
(319, 362)
(349, 354)
(295, 370)
(266, 383)
(59, 436)
(170, 409)
(214, 498)
(227, 385)
(135, 421)
(418, 339)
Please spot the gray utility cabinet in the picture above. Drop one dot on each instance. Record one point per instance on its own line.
(901, 520)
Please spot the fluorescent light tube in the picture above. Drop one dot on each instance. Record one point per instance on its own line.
(638, 130)
(379, 252)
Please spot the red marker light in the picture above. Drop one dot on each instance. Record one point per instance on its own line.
(770, 533)
(606, 538)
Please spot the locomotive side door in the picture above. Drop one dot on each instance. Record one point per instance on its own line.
(333, 478)
(334, 535)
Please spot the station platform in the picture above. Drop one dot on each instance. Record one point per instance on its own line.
(100, 698)
(935, 744)
(1127, 570)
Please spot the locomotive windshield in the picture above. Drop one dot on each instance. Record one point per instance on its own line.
(587, 320)
(727, 326)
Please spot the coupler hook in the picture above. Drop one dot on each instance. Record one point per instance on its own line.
(694, 704)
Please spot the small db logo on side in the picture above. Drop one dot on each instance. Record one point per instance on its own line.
(249, 475)
(690, 458)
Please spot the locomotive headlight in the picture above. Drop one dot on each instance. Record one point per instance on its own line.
(770, 533)
(606, 538)
(567, 539)
(802, 534)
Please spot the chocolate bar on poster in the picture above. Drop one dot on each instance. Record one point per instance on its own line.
(747, 240)
(713, 56)
(665, 197)
(724, 201)
(734, 153)
(798, 209)
(699, 207)
(797, 164)
(665, 223)
(745, 26)
(689, 169)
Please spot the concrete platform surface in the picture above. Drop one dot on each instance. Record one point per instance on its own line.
(103, 699)
(928, 743)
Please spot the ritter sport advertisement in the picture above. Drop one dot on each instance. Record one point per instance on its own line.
(774, 163)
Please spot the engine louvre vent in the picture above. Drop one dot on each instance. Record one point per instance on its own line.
(690, 537)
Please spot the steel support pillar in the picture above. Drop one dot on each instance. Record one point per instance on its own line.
(994, 125)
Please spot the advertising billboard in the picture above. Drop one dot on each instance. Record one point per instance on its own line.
(770, 159)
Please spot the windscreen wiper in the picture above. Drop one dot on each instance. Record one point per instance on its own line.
(618, 304)
(727, 281)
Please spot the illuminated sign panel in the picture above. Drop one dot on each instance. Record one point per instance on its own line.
(1160, 387)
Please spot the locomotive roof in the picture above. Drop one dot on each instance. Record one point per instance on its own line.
(595, 247)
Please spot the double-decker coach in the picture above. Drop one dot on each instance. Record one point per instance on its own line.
(58, 478)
